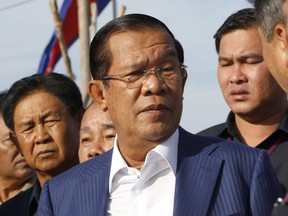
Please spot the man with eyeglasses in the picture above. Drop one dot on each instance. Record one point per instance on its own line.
(155, 167)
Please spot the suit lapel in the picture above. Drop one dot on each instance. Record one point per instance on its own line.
(93, 189)
(197, 175)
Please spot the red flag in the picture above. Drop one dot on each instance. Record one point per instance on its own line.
(69, 18)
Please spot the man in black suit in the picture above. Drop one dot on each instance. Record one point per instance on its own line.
(44, 114)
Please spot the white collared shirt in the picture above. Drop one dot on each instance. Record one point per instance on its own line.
(149, 192)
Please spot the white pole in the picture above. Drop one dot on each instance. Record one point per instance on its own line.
(60, 36)
(94, 12)
(83, 24)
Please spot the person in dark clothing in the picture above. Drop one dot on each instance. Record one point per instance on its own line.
(44, 114)
(15, 174)
(258, 116)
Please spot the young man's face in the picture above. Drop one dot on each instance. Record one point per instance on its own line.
(247, 85)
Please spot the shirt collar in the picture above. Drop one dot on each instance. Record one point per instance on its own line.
(231, 125)
(168, 150)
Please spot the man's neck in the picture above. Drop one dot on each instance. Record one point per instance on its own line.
(9, 188)
(254, 132)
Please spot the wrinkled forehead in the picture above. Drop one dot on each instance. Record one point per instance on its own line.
(141, 47)
(94, 116)
(141, 34)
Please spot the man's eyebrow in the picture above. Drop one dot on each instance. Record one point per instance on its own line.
(252, 55)
(42, 116)
(107, 126)
(25, 122)
(84, 129)
(221, 58)
(249, 55)
(30, 120)
(169, 53)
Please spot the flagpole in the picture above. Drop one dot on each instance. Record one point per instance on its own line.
(122, 11)
(60, 36)
(83, 25)
(93, 19)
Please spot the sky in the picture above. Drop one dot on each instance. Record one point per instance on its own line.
(27, 28)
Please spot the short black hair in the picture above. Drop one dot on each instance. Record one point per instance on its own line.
(242, 19)
(3, 95)
(57, 84)
(100, 55)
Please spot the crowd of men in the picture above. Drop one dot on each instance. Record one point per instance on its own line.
(126, 154)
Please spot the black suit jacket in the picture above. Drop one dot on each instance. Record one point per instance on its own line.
(23, 204)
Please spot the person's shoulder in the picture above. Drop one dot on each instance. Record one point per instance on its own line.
(222, 145)
(215, 130)
(18, 204)
(196, 138)
(83, 170)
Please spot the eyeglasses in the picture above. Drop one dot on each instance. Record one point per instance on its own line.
(167, 73)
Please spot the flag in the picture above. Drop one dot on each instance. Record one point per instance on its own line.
(69, 17)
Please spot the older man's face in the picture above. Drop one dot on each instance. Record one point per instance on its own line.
(12, 164)
(150, 111)
(275, 54)
(97, 133)
(48, 134)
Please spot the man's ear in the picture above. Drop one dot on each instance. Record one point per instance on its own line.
(280, 32)
(184, 77)
(97, 92)
(13, 138)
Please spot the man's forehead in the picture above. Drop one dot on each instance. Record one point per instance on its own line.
(125, 38)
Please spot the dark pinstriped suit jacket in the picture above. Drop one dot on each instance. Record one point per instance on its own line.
(214, 177)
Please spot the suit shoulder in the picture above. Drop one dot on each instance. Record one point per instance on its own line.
(187, 137)
(82, 170)
(220, 145)
(240, 152)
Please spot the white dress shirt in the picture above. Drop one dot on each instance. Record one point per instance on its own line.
(148, 192)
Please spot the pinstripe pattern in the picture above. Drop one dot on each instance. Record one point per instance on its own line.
(214, 177)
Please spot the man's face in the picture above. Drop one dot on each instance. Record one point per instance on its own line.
(276, 58)
(247, 86)
(151, 112)
(97, 133)
(275, 52)
(12, 164)
(47, 133)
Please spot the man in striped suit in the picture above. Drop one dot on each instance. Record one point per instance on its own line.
(155, 167)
